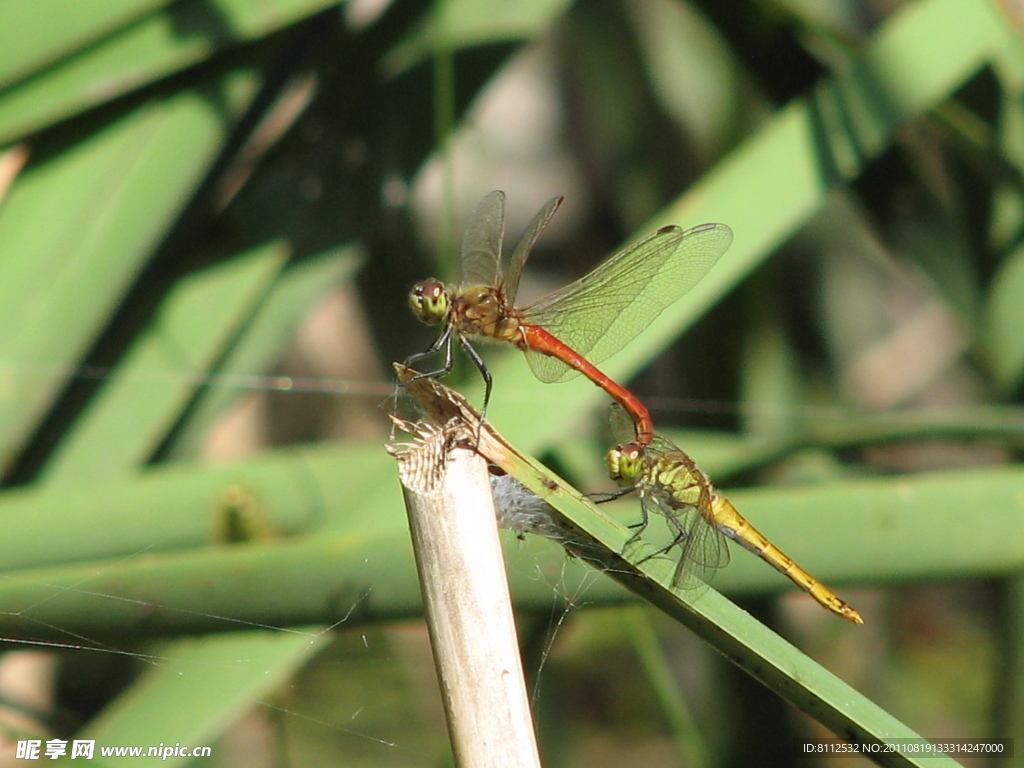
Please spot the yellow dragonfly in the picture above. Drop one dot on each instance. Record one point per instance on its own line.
(701, 519)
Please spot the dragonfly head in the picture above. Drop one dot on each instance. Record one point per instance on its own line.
(625, 463)
(429, 301)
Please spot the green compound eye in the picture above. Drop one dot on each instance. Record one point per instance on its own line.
(624, 464)
(429, 301)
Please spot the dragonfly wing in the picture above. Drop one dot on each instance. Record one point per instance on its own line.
(623, 428)
(481, 244)
(602, 311)
(703, 547)
(548, 369)
(526, 243)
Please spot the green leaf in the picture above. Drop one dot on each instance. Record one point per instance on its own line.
(135, 55)
(772, 183)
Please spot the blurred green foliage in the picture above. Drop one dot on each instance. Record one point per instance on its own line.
(210, 214)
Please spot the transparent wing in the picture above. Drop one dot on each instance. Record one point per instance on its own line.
(703, 548)
(526, 243)
(481, 243)
(623, 429)
(604, 310)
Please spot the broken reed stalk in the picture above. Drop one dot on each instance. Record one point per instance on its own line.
(466, 598)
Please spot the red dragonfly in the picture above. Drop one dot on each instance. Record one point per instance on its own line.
(569, 331)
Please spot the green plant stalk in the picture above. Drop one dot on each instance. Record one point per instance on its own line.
(588, 533)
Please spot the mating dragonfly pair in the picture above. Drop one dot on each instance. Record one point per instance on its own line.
(570, 331)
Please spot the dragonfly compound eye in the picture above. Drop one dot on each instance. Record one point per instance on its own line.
(612, 459)
(625, 464)
(429, 302)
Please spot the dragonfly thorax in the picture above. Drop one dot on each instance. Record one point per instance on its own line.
(482, 310)
(680, 482)
(430, 301)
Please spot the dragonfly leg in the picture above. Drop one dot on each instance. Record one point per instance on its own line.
(681, 533)
(679, 539)
(486, 374)
(443, 341)
(642, 525)
(603, 497)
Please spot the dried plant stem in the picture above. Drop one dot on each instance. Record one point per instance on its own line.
(467, 604)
